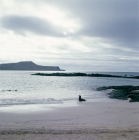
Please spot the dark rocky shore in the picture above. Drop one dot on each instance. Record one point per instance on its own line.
(84, 74)
(123, 92)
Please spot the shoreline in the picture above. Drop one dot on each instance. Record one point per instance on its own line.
(84, 113)
(105, 119)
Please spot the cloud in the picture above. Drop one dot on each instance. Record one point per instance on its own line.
(120, 31)
(20, 24)
(116, 21)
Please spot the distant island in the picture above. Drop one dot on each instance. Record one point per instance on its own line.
(28, 65)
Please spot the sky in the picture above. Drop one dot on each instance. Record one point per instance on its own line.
(88, 35)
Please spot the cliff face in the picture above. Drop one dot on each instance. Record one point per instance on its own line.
(28, 65)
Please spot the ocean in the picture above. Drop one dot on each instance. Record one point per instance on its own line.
(21, 88)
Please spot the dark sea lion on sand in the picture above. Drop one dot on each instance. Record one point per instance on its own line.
(80, 99)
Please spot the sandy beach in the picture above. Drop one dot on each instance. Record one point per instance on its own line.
(96, 120)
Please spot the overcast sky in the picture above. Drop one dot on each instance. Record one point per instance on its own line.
(97, 35)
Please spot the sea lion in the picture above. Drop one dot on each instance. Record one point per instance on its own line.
(80, 99)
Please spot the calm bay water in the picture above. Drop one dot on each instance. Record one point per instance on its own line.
(22, 88)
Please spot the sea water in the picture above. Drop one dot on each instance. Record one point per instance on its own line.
(22, 88)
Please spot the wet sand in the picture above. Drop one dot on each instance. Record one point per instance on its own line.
(97, 120)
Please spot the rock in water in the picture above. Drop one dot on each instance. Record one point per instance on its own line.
(123, 92)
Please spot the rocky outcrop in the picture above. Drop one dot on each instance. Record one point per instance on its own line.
(61, 74)
(10, 90)
(123, 92)
(84, 74)
(28, 65)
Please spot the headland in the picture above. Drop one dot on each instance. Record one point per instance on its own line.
(28, 65)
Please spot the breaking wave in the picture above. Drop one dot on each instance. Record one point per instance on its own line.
(6, 102)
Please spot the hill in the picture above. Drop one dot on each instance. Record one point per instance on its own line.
(28, 65)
